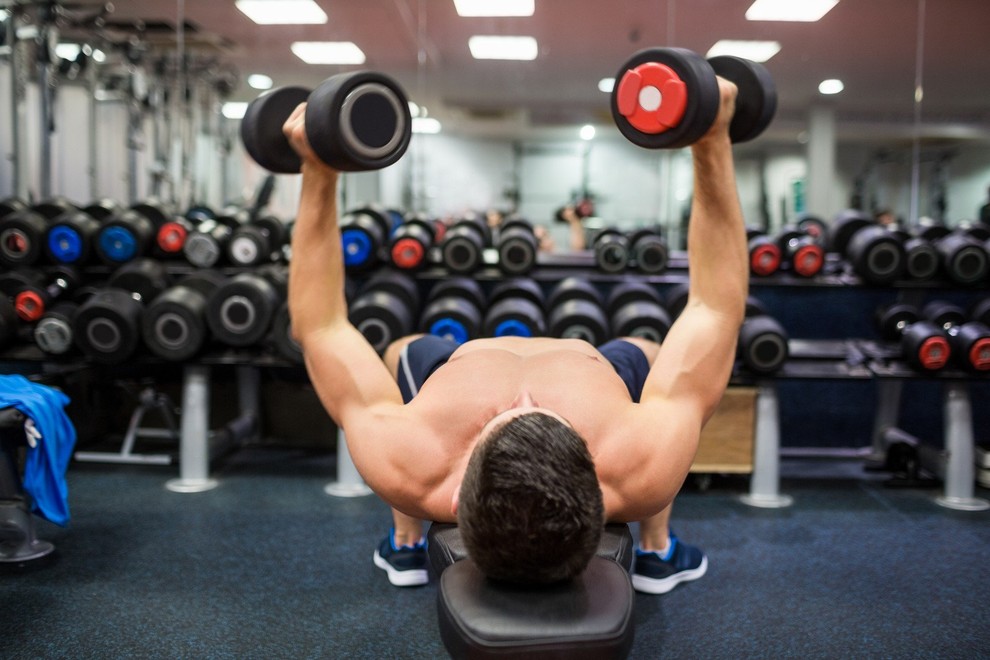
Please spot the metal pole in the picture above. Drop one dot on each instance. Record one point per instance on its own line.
(960, 471)
(15, 105)
(194, 445)
(764, 485)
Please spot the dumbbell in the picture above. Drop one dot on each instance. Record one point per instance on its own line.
(764, 253)
(207, 244)
(256, 242)
(284, 343)
(921, 260)
(611, 249)
(174, 325)
(762, 344)
(240, 311)
(515, 309)
(924, 345)
(53, 207)
(70, 237)
(132, 233)
(10, 205)
(517, 247)
(668, 98)
(107, 326)
(964, 259)
(454, 310)
(463, 245)
(635, 310)
(648, 250)
(355, 122)
(385, 309)
(575, 310)
(814, 227)
(677, 297)
(22, 238)
(101, 209)
(969, 340)
(411, 242)
(801, 251)
(875, 253)
(363, 234)
(33, 301)
(980, 311)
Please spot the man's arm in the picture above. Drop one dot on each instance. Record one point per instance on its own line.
(351, 380)
(695, 360)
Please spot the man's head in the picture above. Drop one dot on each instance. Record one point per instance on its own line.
(530, 507)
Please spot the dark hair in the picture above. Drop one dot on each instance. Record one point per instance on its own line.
(530, 508)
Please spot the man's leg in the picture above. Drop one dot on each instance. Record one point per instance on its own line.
(662, 561)
(402, 553)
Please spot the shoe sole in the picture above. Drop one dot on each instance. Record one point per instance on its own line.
(649, 585)
(410, 578)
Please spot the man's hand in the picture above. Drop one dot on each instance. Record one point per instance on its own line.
(727, 109)
(31, 432)
(294, 129)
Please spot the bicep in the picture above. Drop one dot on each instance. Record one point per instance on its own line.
(695, 361)
(346, 372)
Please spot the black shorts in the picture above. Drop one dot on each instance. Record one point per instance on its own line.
(421, 357)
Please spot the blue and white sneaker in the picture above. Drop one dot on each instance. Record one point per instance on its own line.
(653, 574)
(405, 565)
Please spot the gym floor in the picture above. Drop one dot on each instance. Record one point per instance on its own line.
(268, 566)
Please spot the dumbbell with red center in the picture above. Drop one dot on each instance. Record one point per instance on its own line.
(34, 300)
(969, 340)
(411, 242)
(924, 345)
(668, 98)
(805, 256)
(764, 253)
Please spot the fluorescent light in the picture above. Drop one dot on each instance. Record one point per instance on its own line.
(425, 125)
(587, 132)
(494, 7)
(831, 86)
(234, 109)
(413, 109)
(68, 51)
(606, 85)
(807, 11)
(282, 12)
(756, 51)
(259, 81)
(328, 52)
(503, 48)
(99, 55)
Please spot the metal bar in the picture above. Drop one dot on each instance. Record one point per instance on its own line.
(960, 470)
(349, 482)
(764, 485)
(194, 455)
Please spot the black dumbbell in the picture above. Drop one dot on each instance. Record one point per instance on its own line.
(410, 244)
(206, 245)
(22, 236)
(667, 98)
(969, 340)
(171, 230)
(354, 122)
(33, 301)
(800, 251)
(648, 250)
(814, 227)
(875, 253)
(921, 260)
(463, 245)
(611, 248)
(454, 310)
(363, 234)
(385, 309)
(10, 205)
(53, 331)
(101, 209)
(53, 207)
(107, 326)
(635, 310)
(257, 242)
(515, 309)
(517, 247)
(762, 346)
(964, 259)
(924, 345)
(576, 310)
(764, 253)
(174, 325)
(240, 311)
(677, 297)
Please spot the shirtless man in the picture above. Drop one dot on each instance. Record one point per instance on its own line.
(528, 444)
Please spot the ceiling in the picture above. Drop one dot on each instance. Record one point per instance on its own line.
(871, 45)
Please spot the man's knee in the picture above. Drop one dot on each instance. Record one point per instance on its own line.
(649, 347)
(394, 350)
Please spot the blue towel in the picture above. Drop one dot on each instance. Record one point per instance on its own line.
(44, 471)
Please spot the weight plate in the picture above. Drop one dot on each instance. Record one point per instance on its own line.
(261, 129)
(756, 102)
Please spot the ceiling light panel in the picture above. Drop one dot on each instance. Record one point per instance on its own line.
(757, 51)
(469, 8)
(805, 11)
(283, 12)
(328, 52)
(503, 48)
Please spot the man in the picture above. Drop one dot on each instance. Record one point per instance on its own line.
(528, 444)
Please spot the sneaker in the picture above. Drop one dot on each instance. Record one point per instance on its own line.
(653, 575)
(406, 565)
